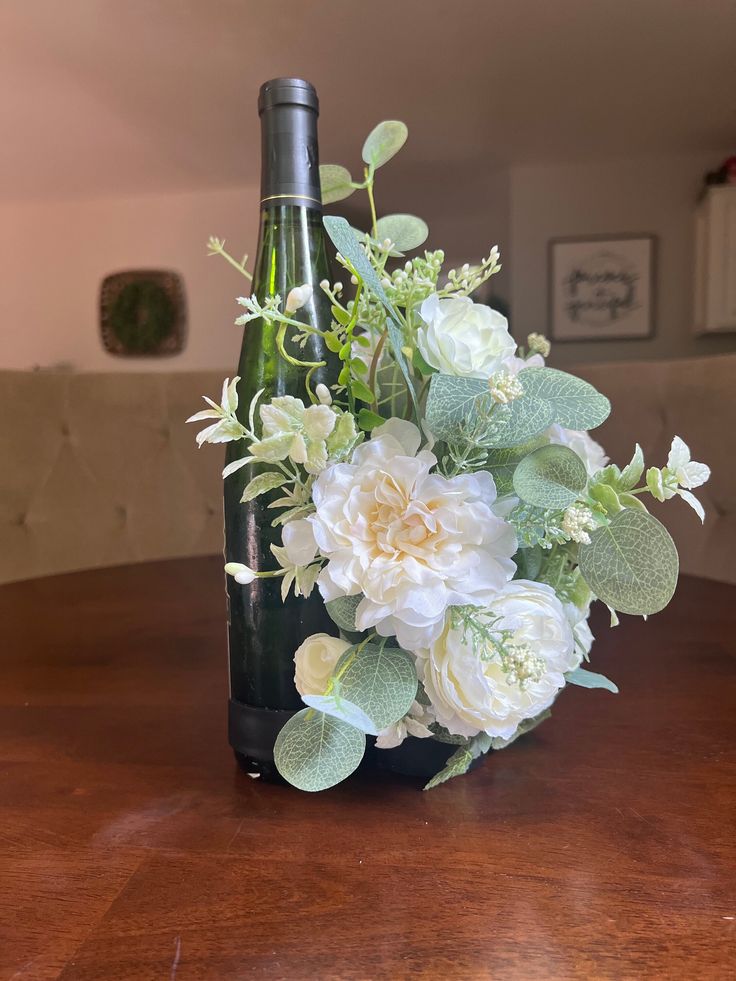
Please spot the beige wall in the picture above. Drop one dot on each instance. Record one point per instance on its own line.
(655, 195)
(54, 255)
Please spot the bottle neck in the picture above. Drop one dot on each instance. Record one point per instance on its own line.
(290, 157)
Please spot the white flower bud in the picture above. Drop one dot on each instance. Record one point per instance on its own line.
(338, 287)
(241, 573)
(324, 284)
(354, 280)
(298, 297)
(577, 521)
(323, 394)
(538, 344)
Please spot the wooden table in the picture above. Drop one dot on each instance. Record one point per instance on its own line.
(601, 846)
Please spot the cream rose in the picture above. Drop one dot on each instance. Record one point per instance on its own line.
(460, 337)
(315, 660)
(412, 542)
(470, 693)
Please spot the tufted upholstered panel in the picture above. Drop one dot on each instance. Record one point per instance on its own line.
(99, 469)
(694, 398)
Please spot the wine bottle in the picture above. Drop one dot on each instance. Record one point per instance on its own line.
(263, 631)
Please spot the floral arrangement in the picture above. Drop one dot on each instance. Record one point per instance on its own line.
(446, 499)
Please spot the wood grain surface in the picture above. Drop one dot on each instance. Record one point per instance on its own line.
(131, 847)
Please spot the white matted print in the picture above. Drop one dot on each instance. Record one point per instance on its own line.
(601, 288)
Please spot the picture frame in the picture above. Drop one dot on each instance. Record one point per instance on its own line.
(601, 287)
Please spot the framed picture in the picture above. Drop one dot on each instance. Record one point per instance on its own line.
(601, 288)
(143, 313)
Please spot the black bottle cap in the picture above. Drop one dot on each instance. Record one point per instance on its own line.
(287, 91)
(288, 108)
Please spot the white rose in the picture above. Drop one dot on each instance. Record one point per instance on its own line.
(415, 723)
(460, 337)
(591, 453)
(471, 694)
(412, 542)
(315, 661)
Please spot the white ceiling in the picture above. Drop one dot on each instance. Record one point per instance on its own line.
(105, 96)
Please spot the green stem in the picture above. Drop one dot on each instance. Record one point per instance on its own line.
(371, 200)
(374, 366)
(219, 250)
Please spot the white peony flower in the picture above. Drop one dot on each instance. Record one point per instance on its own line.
(471, 693)
(412, 542)
(460, 337)
(315, 660)
(591, 453)
(415, 723)
(514, 365)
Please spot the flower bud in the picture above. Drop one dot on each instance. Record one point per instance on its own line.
(298, 297)
(323, 394)
(241, 573)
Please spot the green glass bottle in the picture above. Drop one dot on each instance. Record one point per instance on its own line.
(263, 631)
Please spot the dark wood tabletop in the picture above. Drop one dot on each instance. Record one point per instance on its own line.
(600, 846)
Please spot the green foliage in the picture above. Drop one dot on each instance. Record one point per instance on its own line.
(336, 183)
(550, 477)
(380, 680)
(460, 760)
(631, 564)
(589, 679)
(344, 241)
(528, 562)
(607, 497)
(368, 420)
(315, 751)
(340, 708)
(501, 463)
(524, 727)
(631, 474)
(263, 483)
(576, 404)
(407, 232)
(384, 142)
(342, 611)
(462, 410)
(537, 526)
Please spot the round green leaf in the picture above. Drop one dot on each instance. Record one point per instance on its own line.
(315, 751)
(336, 183)
(384, 142)
(631, 564)
(576, 404)
(407, 232)
(342, 610)
(550, 477)
(518, 422)
(382, 681)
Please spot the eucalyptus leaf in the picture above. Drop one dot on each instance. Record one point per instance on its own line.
(576, 404)
(518, 422)
(261, 484)
(407, 232)
(501, 464)
(631, 564)
(452, 401)
(335, 182)
(384, 142)
(461, 759)
(341, 708)
(345, 243)
(342, 611)
(315, 751)
(380, 680)
(589, 679)
(550, 477)
(528, 562)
